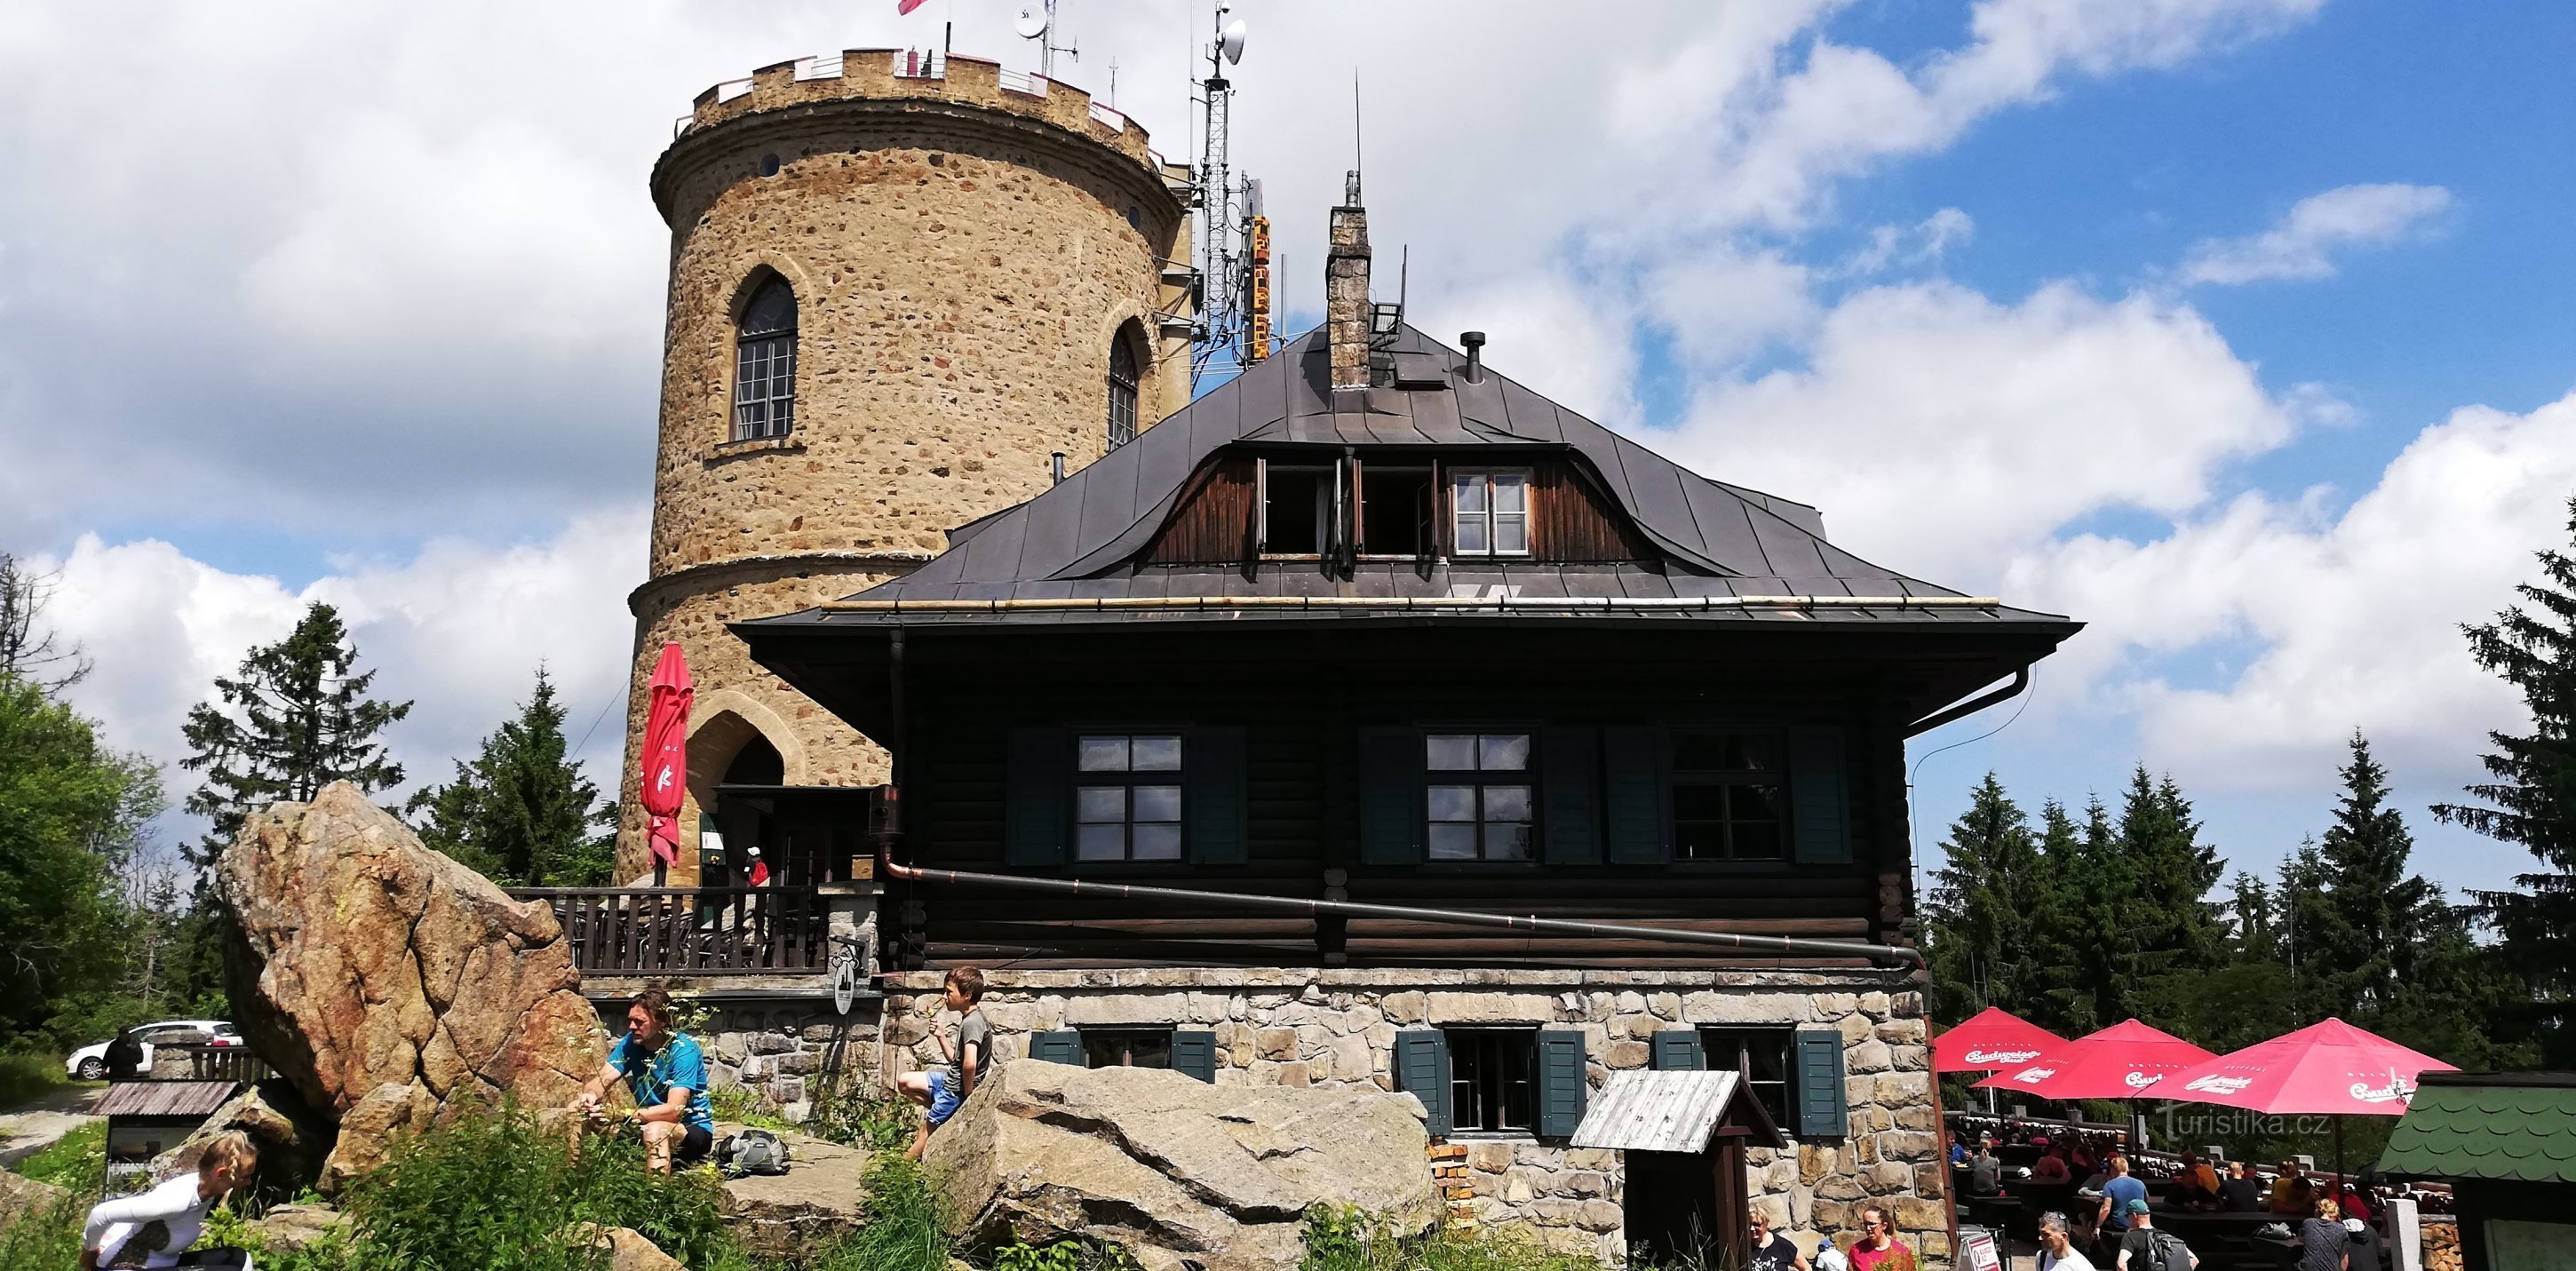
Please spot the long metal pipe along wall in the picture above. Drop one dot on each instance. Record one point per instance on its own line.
(1407, 913)
(1438, 604)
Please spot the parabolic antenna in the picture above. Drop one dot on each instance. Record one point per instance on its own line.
(1230, 41)
(1032, 21)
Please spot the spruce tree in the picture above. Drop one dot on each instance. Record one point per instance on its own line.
(296, 719)
(2055, 995)
(2372, 915)
(2531, 800)
(521, 811)
(2174, 926)
(1980, 906)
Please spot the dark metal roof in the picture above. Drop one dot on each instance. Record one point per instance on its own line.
(1078, 541)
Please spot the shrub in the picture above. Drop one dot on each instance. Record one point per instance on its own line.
(1342, 1238)
(28, 1075)
(46, 1239)
(77, 1162)
(904, 1231)
(857, 1115)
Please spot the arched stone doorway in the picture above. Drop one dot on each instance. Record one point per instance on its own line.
(748, 792)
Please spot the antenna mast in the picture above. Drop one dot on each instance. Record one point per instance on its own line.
(1233, 330)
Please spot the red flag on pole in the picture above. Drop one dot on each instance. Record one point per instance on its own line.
(902, 7)
(666, 750)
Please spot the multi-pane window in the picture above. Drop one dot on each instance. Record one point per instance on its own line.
(1728, 798)
(764, 364)
(1761, 1055)
(1127, 1047)
(1492, 511)
(1489, 1079)
(1127, 798)
(1122, 391)
(1479, 796)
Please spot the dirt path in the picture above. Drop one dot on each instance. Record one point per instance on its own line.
(32, 1127)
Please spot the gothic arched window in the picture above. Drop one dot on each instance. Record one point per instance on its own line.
(764, 363)
(1122, 390)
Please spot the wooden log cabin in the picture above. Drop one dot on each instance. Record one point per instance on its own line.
(1322, 676)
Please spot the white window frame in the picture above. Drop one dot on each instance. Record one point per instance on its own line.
(1487, 519)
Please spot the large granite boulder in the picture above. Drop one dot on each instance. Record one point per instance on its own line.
(366, 960)
(792, 1217)
(1172, 1167)
(22, 1197)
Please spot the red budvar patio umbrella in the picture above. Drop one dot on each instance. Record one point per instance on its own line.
(669, 695)
(2123, 1061)
(1990, 1039)
(2326, 1069)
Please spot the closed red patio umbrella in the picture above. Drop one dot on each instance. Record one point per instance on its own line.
(665, 773)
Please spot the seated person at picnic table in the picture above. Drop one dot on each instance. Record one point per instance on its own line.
(153, 1228)
(1985, 1172)
(666, 1073)
(1959, 1149)
(2291, 1177)
(2195, 1184)
(2240, 1191)
(2300, 1203)
(2361, 1245)
(2051, 1167)
(940, 1090)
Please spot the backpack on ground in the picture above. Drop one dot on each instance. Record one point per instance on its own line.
(758, 1151)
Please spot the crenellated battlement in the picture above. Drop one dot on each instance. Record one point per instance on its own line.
(900, 74)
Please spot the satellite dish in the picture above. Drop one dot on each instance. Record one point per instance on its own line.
(1230, 41)
(1032, 21)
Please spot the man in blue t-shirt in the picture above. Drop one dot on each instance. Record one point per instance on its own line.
(667, 1074)
(2117, 1191)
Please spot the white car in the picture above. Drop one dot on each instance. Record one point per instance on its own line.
(89, 1063)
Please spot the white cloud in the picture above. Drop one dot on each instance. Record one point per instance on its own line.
(2354, 619)
(2301, 246)
(1945, 430)
(459, 629)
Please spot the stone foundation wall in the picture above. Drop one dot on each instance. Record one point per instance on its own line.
(1328, 1027)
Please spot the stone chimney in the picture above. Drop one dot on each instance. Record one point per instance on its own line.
(1346, 290)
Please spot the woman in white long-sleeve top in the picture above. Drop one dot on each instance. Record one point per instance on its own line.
(155, 1228)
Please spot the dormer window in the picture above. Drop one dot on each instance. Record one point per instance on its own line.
(1492, 510)
(764, 363)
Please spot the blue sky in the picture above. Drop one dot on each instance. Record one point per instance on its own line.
(2233, 327)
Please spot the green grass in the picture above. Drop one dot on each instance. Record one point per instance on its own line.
(77, 1162)
(26, 1076)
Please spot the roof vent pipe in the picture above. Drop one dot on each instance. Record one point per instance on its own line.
(1475, 342)
(1055, 465)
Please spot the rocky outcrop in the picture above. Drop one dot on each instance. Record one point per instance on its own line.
(367, 960)
(1172, 1167)
(22, 1197)
(291, 1138)
(290, 1228)
(792, 1216)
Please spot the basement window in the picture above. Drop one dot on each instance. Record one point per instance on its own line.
(1127, 1047)
(1761, 1055)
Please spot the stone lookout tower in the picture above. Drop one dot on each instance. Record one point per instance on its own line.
(900, 287)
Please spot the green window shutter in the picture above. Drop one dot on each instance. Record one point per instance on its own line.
(1638, 813)
(1213, 797)
(1390, 796)
(1561, 1083)
(1422, 1067)
(1057, 1048)
(1819, 796)
(1817, 1093)
(1037, 796)
(1194, 1052)
(1570, 794)
(1678, 1049)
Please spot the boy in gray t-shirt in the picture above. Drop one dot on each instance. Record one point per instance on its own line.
(939, 1090)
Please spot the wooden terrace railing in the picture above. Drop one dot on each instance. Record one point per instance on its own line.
(691, 930)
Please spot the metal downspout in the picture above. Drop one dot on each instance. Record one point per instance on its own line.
(1790, 945)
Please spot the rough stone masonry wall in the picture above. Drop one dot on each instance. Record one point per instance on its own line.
(1330, 1027)
(962, 257)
